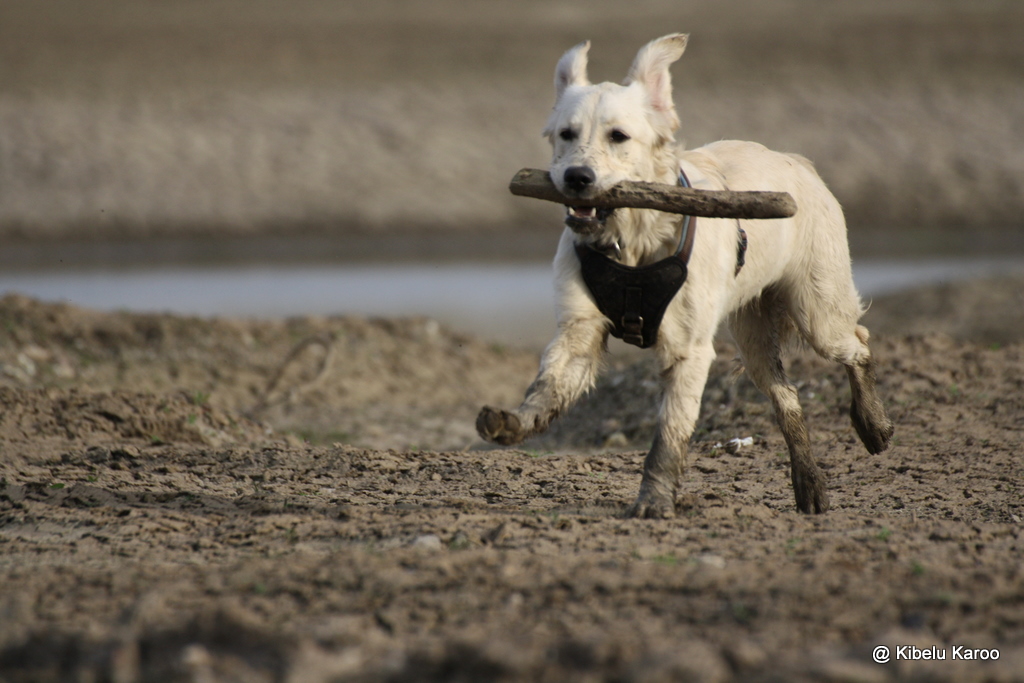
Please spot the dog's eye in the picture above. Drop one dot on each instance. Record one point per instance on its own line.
(617, 136)
(567, 134)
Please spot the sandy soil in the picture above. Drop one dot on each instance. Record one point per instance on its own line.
(304, 500)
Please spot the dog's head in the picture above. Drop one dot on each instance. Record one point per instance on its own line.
(606, 133)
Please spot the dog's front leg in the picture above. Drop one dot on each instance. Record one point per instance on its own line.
(568, 370)
(684, 378)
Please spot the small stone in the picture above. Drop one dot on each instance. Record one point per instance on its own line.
(62, 369)
(515, 601)
(26, 364)
(645, 552)
(430, 542)
(128, 451)
(37, 353)
(198, 661)
(745, 655)
(616, 440)
(713, 561)
(697, 660)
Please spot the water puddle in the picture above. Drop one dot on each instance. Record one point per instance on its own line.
(510, 303)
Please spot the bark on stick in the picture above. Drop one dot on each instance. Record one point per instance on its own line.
(535, 183)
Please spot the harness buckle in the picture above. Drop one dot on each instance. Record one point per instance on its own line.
(632, 321)
(632, 330)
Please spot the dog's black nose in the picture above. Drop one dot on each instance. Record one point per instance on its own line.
(579, 178)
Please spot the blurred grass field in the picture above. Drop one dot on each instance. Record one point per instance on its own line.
(204, 119)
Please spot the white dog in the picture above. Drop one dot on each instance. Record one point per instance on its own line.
(765, 278)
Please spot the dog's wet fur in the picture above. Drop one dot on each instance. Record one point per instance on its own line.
(797, 275)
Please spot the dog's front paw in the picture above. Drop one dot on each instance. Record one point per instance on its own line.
(652, 506)
(499, 426)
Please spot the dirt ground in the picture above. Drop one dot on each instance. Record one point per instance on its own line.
(305, 500)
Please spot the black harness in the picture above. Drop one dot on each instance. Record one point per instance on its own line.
(634, 299)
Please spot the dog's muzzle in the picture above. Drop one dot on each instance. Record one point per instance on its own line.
(586, 220)
(579, 181)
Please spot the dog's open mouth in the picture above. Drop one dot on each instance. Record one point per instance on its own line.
(586, 219)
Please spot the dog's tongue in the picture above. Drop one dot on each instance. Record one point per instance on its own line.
(582, 211)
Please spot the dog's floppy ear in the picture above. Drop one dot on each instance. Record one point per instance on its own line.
(650, 69)
(572, 69)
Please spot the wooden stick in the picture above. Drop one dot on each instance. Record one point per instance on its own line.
(532, 182)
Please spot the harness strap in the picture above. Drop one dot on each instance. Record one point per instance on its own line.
(632, 320)
(741, 249)
(686, 234)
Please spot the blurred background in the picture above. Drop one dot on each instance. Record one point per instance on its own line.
(263, 157)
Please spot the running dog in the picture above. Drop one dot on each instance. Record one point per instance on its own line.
(764, 278)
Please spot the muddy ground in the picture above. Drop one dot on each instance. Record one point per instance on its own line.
(305, 500)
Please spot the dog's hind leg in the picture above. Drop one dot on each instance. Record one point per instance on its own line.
(568, 370)
(827, 318)
(867, 413)
(684, 378)
(760, 330)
